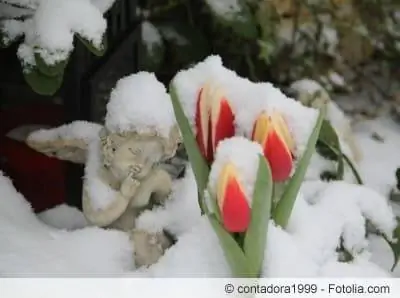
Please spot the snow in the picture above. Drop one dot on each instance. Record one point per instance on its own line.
(227, 9)
(380, 159)
(150, 36)
(139, 102)
(32, 248)
(59, 242)
(64, 217)
(52, 24)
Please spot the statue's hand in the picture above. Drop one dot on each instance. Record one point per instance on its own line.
(129, 187)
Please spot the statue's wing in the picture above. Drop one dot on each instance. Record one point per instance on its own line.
(66, 142)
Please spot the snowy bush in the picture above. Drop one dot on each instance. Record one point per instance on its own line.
(46, 30)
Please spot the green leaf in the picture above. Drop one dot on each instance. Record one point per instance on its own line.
(256, 235)
(395, 246)
(233, 253)
(349, 163)
(151, 48)
(328, 146)
(196, 159)
(42, 84)
(50, 70)
(98, 51)
(284, 207)
(239, 18)
(187, 44)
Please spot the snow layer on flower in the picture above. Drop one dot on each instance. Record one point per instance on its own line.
(139, 102)
(101, 194)
(76, 130)
(244, 155)
(31, 248)
(64, 217)
(247, 99)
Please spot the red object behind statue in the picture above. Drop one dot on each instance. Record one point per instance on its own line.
(39, 178)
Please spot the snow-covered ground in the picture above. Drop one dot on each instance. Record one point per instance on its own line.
(377, 169)
(59, 241)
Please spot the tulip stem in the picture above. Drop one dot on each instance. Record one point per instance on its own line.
(277, 191)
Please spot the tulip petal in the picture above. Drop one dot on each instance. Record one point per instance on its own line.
(260, 129)
(202, 122)
(279, 156)
(280, 126)
(235, 209)
(232, 201)
(222, 120)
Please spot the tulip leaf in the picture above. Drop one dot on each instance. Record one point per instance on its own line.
(395, 245)
(256, 235)
(234, 255)
(196, 159)
(349, 163)
(50, 70)
(284, 207)
(328, 146)
(96, 50)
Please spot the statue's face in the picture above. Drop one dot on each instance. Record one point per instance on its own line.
(132, 154)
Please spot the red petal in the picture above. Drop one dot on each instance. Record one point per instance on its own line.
(235, 209)
(222, 122)
(279, 157)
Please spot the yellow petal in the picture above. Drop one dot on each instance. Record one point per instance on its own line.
(227, 172)
(261, 128)
(281, 128)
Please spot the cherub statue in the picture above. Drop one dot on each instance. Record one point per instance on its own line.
(128, 164)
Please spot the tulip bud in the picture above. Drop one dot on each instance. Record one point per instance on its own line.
(272, 133)
(214, 120)
(232, 202)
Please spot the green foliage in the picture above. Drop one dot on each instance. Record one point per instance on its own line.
(50, 70)
(239, 19)
(95, 50)
(42, 84)
(196, 159)
(328, 146)
(256, 235)
(286, 203)
(395, 244)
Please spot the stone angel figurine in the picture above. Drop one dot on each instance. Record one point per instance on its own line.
(129, 162)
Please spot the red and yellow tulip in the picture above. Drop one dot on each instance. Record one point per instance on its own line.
(214, 120)
(272, 133)
(232, 202)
